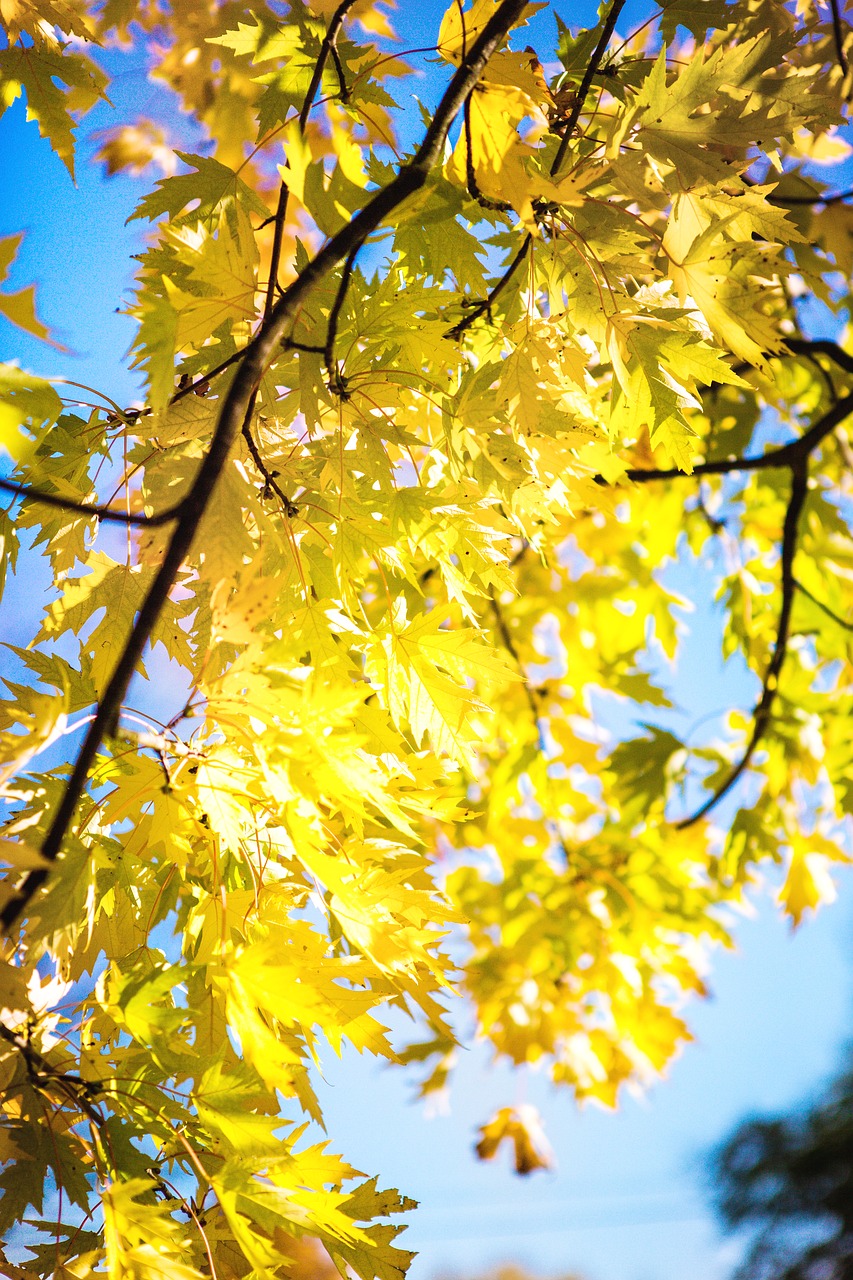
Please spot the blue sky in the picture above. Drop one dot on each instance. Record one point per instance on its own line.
(625, 1202)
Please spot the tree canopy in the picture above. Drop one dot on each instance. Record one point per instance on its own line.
(786, 1181)
(434, 396)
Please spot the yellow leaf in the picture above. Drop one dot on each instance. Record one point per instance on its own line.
(460, 27)
(521, 1126)
(807, 885)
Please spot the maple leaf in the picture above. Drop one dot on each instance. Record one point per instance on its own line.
(34, 70)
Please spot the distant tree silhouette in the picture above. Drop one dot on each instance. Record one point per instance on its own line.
(789, 1181)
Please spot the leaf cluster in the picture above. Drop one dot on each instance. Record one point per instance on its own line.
(433, 410)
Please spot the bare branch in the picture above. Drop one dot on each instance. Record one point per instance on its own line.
(764, 706)
(277, 241)
(821, 347)
(830, 613)
(337, 384)
(327, 49)
(837, 197)
(232, 416)
(838, 33)
(269, 477)
(78, 1091)
(787, 455)
(585, 84)
(108, 514)
(485, 306)
(471, 183)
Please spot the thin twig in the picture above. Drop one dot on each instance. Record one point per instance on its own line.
(337, 383)
(485, 306)
(327, 48)
(200, 384)
(787, 455)
(76, 1089)
(837, 197)
(108, 514)
(830, 613)
(275, 254)
(471, 183)
(821, 347)
(838, 33)
(764, 707)
(509, 644)
(291, 344)
(258, 354)
(269, 477)
(585, 84)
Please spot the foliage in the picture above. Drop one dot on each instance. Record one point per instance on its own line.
(434, 401)
(787, 1181)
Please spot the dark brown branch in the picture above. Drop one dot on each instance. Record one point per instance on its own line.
(343, 88)
(337, 383)
(108, 514)
(764, 707)
(232, 415)
(275, 254)
(291, 344)
(821, 347)
(794, 456)
(41, 1072)
(327, 50)
(837, 197)
(200, 383)
(471, 183)
(485, 306)
(585, 84)
(830, 613)
(838, 33)
(787, 455)
(269, 477)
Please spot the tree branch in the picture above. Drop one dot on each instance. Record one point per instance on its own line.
(585, 84)
(838, 33)
(471, 183)
(485, 306)
(200, 384)
(764, 706)
(78, 1091)
(277, 241)
(257, 356)
(794, 456)
(821, 347)
(830, 613)
(837, 197)
(327, 48)
(510, 646)
(269, 477)
(787, 455)
(337, 383)
(108, 514)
